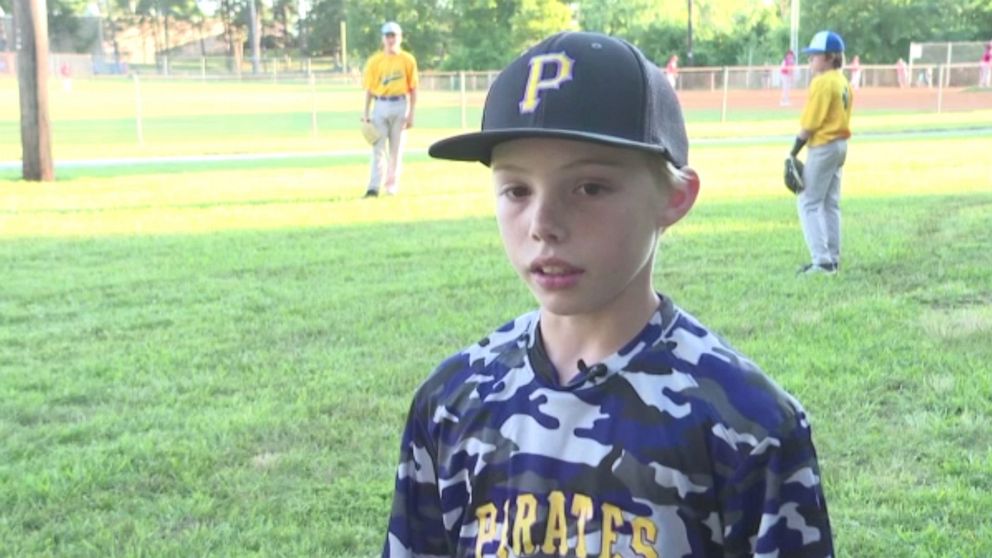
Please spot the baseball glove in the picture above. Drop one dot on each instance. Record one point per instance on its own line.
(370, 132)
(793, 174)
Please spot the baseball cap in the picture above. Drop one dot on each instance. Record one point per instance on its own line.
(391, 27)
(825, 41)
(579, 86)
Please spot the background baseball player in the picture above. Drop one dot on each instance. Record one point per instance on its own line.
(672, 70)
(787, 69)
(826, 125)
(609, 422)
(390, 79)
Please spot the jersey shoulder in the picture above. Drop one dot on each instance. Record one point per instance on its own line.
(830, 81)
(373, 61)
(481, 362)
(731, 388)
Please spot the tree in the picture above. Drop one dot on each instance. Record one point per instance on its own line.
(881, 30)
(478, 35)
(536, 19)
(65, 26)
(622, 18)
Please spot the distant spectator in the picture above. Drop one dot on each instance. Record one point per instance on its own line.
(672, 70)
(985, 77)
(901, 72)
(65, 70)
(787, 70)
(855, 66)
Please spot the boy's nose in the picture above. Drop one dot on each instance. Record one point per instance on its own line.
(546, 223)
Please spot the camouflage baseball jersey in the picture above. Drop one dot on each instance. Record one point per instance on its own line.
(674, 446)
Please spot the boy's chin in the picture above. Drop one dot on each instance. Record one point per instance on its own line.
(561, 303)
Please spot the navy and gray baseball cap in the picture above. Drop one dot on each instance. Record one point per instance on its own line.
(578, 86)
(825, 41)
(391, 27)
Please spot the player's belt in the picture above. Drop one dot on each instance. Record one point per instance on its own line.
(392, 98)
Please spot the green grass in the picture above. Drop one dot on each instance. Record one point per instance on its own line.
(217, 359)
(97, 119)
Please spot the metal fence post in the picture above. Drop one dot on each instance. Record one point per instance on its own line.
(137, 110)
(940, 88)
(313, 104)
(723, 108)
(464, 99)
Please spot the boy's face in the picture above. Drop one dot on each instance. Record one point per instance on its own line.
(391, 41)
(580, 221)
(819, 63)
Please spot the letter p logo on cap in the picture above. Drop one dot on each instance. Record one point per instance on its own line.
(535, 84)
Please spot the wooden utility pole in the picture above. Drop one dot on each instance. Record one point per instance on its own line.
(31, 18)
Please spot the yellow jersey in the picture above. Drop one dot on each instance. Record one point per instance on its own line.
(828, 108)
(389, 75)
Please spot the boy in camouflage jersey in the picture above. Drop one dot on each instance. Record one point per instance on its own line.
(609, 422)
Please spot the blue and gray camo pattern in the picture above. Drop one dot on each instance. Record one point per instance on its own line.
(677, 446)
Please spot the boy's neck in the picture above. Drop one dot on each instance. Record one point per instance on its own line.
(593, 337)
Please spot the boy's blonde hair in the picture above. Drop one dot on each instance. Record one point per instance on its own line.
(667, 175)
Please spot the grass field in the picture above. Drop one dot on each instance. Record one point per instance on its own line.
(215, 359)
(97, 119)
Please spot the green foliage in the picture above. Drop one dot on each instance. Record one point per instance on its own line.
(536, 19)
(479, 33)
(486, 34)
(880, 31)
(659, 40)
(617, 17)
(66, 31)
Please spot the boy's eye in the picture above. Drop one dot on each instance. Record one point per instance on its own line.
(514, 191)
(592, 189)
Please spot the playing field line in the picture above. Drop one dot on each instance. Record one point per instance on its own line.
(350, 153)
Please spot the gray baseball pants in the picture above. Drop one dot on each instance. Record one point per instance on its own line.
(819, 202)
(389, 117)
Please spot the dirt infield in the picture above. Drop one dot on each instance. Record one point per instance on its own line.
(875, 98)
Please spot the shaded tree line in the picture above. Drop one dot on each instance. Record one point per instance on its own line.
(485, 34)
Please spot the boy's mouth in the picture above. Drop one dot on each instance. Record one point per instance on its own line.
(553, 266)
(552, 273)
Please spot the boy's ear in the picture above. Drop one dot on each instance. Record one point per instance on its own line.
(681, 197)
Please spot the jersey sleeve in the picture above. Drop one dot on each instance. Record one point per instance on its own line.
(416, 526)
(413, 76)
(815, 111)
(775, 505)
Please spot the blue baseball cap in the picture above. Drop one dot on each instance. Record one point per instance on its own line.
(825, 41)
(391, 27)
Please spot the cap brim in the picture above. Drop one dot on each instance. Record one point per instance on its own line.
(478, 146)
